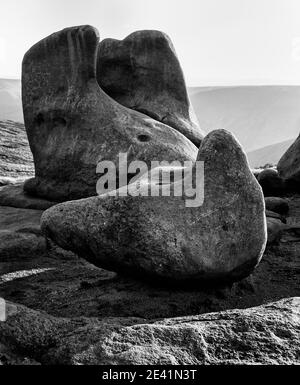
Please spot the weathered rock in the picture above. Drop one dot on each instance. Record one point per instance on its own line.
(142, 72)
(13, 195)
(289, 166)
(159, 236)
(267, 334)
(275, 229)
(278, 205)
(271, 183)
(72, 124)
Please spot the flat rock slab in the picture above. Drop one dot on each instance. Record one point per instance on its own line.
(13, 195)
(268, 334)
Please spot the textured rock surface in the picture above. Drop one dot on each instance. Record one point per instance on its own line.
(72, 124)
(267, 334)
(222, 239)
(13, 195)
(271, 183)
(278, 205)
(142, 72)
(289, 166)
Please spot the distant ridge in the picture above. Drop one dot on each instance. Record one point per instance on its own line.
(269, 154)
(258, 116)
(10, 100)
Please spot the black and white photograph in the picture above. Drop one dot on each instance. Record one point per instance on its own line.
(149, 187)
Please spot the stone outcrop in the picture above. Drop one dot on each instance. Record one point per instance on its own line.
(267, 334)
(224, 238)
(142, 72)
(289, 166)
(72, 124)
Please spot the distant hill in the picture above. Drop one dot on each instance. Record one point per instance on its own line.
(10, 100)
(259, 116)
(269, 154)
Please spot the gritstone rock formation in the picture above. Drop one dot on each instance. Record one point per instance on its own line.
(143, 73)
(289, 166)
(159, 236)
(72, 124)
(238, 336)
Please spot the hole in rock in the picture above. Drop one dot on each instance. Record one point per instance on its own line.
(39, 118)
(144, 138)
(59, 122)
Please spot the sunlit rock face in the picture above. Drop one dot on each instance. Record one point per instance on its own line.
(142, 72)
(72, 124)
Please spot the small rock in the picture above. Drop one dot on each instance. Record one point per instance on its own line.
(13, 195)
(272, 214)
(271, 183)
(277, 205)
(275, 230)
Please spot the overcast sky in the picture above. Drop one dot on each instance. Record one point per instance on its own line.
(219, 42)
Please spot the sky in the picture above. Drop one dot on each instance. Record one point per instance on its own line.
(218, 42)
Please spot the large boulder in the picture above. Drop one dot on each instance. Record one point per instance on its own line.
(223, 239)
(289, 166)
(271, 183)
(72, 124)
(143, 73)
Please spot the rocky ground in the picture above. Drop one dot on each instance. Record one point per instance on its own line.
(61, 309)
(15, 155)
